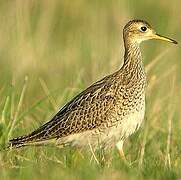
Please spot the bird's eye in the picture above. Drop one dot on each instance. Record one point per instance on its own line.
(143, 28)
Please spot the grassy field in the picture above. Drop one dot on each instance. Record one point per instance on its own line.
(51, 50)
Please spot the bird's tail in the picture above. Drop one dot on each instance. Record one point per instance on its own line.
(36, 137)
(23, 141)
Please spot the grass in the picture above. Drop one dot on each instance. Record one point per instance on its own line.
(51, 50)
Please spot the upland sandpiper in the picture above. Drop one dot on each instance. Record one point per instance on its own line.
(110, 110)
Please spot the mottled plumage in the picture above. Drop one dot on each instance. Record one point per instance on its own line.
(108, 111)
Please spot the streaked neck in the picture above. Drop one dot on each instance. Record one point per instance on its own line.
(132, 56)
(133, 66)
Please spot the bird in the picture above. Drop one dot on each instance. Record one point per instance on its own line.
(108, 111)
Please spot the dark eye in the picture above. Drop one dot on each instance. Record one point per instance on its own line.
(143, 28)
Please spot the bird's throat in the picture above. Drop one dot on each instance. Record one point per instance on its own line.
(132, 57)
(133, 65)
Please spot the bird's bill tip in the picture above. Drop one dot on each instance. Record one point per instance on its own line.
(160, 37)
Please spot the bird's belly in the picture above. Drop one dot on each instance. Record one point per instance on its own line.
(129, 124)
(130, 121)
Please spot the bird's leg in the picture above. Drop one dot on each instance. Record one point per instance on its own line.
(119, 146)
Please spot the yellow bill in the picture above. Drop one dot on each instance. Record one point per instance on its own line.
(159, 37)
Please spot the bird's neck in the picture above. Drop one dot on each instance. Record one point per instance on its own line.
(132, 59)
(133, 69)
(132, 56)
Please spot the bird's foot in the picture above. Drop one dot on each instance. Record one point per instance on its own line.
(123, 158)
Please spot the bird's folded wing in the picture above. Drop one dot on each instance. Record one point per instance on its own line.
(87, 111)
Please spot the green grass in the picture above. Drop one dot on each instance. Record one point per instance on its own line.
(51, 50)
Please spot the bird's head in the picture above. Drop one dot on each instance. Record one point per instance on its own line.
(136, 31)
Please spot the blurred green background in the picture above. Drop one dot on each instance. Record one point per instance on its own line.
(60, 47)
